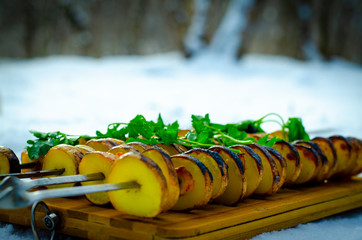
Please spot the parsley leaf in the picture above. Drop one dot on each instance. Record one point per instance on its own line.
(296, 130)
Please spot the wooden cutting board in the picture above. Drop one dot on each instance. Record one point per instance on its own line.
(289, 207)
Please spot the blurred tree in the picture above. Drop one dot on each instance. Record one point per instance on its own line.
(304, 29)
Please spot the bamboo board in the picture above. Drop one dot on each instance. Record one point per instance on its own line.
(287, 208)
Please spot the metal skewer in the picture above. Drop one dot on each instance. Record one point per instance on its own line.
(14, 194)
(28, 184)
(41, 173)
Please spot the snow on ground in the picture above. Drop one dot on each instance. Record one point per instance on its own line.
(79, 95)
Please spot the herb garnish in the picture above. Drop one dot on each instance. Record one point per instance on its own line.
(204, 133)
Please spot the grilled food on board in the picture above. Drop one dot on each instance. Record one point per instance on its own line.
(182, 170)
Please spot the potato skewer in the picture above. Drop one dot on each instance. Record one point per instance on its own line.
(14, 195)
(143, 179)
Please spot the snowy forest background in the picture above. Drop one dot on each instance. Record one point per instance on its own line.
(301, 29)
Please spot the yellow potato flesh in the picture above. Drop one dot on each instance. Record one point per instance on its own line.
(84, 148)
(281, 166)
(59, 157)
(122, 149)
(170, 149)
(4, 164)
(202, 191)
(236, 189)
(168, 170)
(145, 201)
(253, 171)
(328, 150)
(309, 163)
(139, 146)
(97, 162)
(268, 184)
(213, 167)
(292, 161)
(343, 151)
(356, 169)
(102, 145)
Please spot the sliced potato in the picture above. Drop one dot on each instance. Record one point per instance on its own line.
(118, 141)
(9, 162)
(183, 132)
(164, 162)
(343, 151)
(65, 157)
(327, 148)
(253, 167)
(217, 167)
(323, 167)
(203, 186)
(122, 149)
(291, 156)
(182, 148)
(236, 189)
(309, 163)
(97, 162)
(186, 182)
(26, 159)
(279, 134)
(256, 136)
(82, 141)
(139, 146)
(101, 144)
(281, 164)
(149, 199)
(171, 149)
(357, 145)
(84, 148)
(269, 183)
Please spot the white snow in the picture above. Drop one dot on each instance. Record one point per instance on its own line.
(78, 95)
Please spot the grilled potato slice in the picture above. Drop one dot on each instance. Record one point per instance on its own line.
(236, 189)
(9, 162)
(328, 150)
(269, 183)
(357, 146)
(102, 144)
(203, 186)
(26, 159)
(150, 198)
(309, 163)
(186, 182)
(343, 151)
(171, 149)
(291, 156)
(118, 141)
(253, 168)
(97, 162)
(84, 148)
(162, 159)
(323, 167)
(139, 146)
(63, 157)
(217, 167)
(182, 148)
(121, 149)
(281, 164)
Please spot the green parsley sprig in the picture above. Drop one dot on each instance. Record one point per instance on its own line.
(204, 133)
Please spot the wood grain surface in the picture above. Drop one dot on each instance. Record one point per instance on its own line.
(289, 207)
